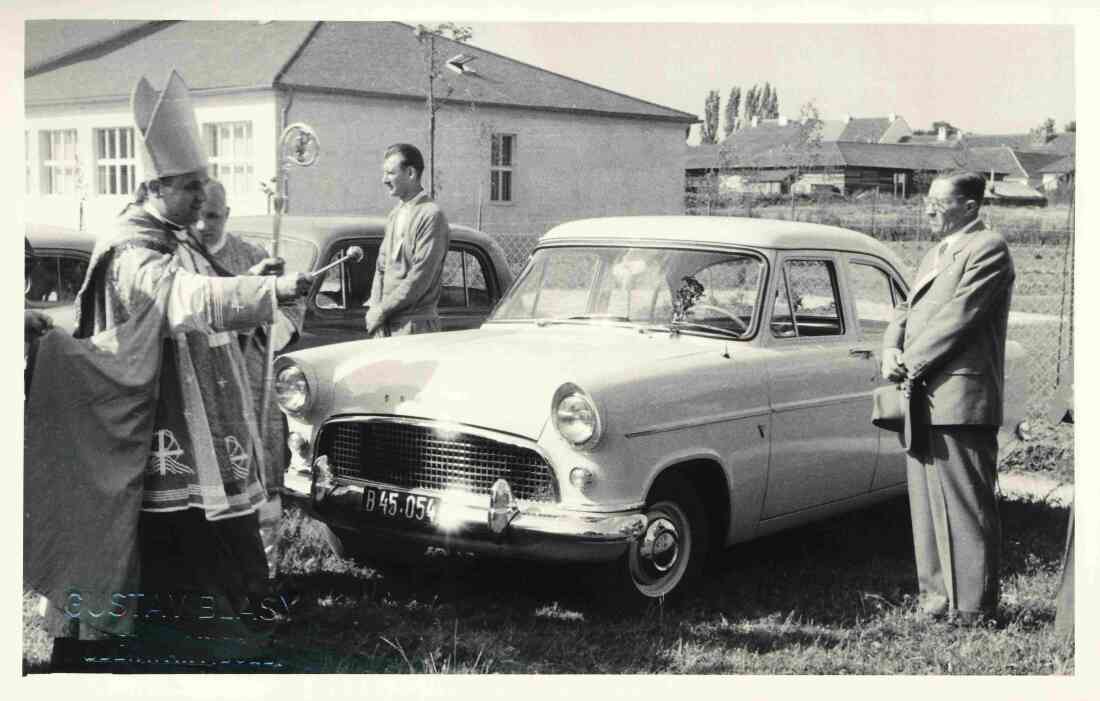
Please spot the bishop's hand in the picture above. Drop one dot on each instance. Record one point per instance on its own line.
(269, 266)
(290, 287)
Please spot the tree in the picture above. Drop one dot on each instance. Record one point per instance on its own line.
(806, 149)
(733, 106)
(765, 101)
(750, 106)
(710, 118)
(427, 37)
(1044, 132)
(1070, 127)
(773, 105)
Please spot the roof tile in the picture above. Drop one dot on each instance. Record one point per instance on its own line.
(359, 57)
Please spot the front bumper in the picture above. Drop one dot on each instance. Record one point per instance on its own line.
(535, 531)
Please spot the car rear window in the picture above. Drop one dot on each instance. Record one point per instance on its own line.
(299, 254)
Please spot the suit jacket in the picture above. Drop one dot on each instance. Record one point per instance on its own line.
(952, 329)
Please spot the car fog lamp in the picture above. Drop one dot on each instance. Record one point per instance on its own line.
(292, 390)
(1023, 431)
(322, 478)
(576, 417)
(581, 478)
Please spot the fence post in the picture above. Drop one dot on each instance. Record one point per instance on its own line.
(874, 210)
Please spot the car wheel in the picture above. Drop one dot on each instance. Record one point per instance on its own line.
(669, 555)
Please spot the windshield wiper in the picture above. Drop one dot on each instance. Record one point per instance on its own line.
(581, 317)
(676, 325)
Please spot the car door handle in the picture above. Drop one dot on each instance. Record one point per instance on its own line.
(861, 352)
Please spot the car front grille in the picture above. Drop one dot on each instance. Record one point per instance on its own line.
(417, 456)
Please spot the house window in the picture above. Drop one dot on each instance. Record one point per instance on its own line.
(59, 162)
(229, 149)
(502, 162)
(114, 160)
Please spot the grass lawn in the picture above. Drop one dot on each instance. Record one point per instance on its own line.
(831, 598)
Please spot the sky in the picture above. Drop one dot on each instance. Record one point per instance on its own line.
(981, 78)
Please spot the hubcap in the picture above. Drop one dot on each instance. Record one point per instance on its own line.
(661, 544)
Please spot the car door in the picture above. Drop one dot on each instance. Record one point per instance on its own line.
(875, 292)
(470, 287)
(821, 374)
(336, 307)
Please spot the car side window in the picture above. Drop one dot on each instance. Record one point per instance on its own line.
(873, 297)
(463, 281)
(347, 286)
(806, 300)
(56, 278)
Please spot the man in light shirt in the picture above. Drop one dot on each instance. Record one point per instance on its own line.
(405, 291)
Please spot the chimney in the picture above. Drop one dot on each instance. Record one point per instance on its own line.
(941, 134)
(755, 120)
(782, 121)
(847, 118)
(893, 117)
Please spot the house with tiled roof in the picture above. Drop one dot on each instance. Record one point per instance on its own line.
(891, 129)
(510, 137)
(856, 155)
(751, 159)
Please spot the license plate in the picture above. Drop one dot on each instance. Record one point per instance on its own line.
(396, 504)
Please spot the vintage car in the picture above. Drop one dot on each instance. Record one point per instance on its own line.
(649, 389)
(60, 261)
(475, 272)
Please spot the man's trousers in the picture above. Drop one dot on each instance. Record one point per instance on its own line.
(956, 521)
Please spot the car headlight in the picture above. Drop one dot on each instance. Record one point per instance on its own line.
(576, 417)
(292, 390)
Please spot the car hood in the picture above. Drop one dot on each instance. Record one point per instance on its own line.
(501, 376)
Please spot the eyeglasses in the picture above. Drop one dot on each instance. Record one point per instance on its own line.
(940, 204)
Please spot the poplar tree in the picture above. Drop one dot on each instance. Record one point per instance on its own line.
(710, 118)
(733, 106)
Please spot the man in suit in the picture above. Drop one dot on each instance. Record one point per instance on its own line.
(948, 342)
(405, 291)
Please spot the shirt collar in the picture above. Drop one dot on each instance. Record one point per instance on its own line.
(952, 238)
(415, 199)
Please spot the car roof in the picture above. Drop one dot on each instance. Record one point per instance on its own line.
(46, 236)
(321, 229)
(758, 233)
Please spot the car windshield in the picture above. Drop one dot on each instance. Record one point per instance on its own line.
(298, 254)
(691, 291)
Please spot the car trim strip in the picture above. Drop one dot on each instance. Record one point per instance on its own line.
(827, 401)
(680, 425)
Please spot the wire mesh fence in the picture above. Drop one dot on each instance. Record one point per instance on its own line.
(1041, 319)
